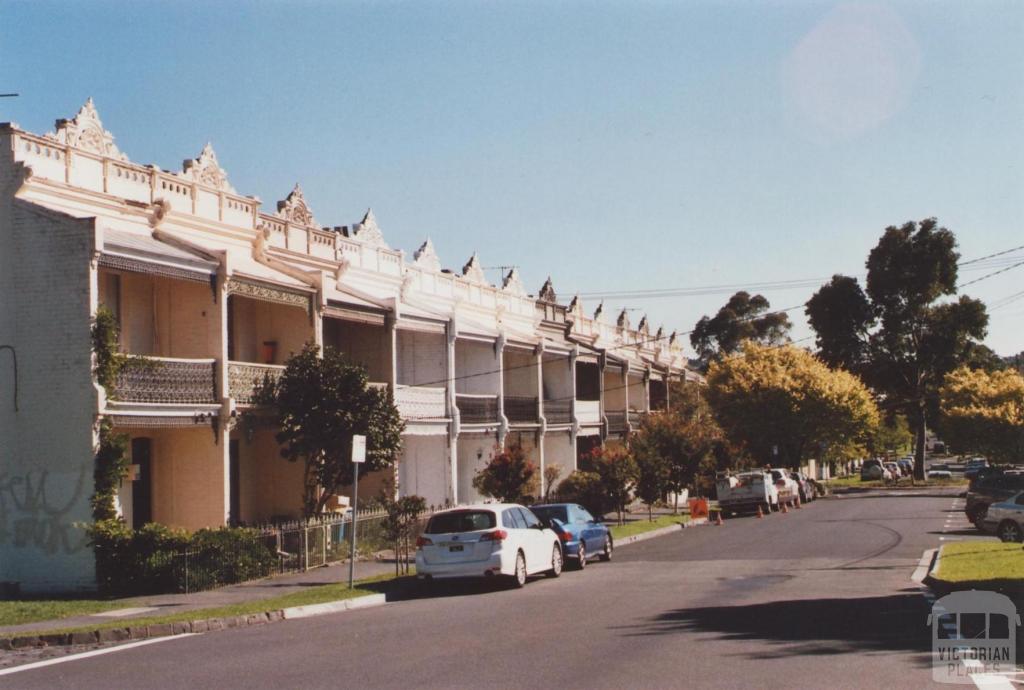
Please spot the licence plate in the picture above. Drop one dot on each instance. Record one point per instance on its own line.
(455, 547)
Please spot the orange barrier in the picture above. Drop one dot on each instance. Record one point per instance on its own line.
(698, 508)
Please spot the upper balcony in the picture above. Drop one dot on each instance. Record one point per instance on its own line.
(521, 381)
(164, 380)
(521, 409)
(558, 412)
(245, 379)
(421, 391)
(477, 409)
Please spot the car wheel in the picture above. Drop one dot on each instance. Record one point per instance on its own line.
(608, 546)
(979, 519)
(581, 561)
(519, 578)
(1009, 531)
(556, 561)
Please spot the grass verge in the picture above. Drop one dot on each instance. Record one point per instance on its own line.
(992, 565)
(856, 482)
(640, 526)
(32, 610)
(313, 595)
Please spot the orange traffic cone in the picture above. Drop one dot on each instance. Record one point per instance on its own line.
(785, 508)
(760, 513)
(718, 521)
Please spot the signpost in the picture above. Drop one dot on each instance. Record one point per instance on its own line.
(358, 457)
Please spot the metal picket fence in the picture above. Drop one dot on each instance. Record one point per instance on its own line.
(284, 547)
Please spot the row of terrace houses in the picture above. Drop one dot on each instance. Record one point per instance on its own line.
(218, 293)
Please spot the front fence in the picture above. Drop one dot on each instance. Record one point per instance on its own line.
(282, 548)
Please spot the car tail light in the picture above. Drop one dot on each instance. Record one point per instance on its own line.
(496, 535)
(565, 536)
(423, 541)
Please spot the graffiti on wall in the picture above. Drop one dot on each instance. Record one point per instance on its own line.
(37, 509)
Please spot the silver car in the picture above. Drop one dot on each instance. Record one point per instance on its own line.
(1006, 519)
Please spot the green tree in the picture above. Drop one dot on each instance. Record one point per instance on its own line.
(652, 476)
(321, 403)
(617, 472)
(892, 434)
(510, 476)
(984, 412)
(400, 524)
(907, 340)
(585, 488)
(742, 318)
(785, 405)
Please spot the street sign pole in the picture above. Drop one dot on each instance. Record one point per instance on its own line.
(358, 457)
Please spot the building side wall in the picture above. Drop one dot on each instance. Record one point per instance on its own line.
(46, 447)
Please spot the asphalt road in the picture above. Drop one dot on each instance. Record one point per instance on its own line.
(817, 598)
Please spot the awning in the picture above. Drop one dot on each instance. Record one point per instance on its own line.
(352, 308)
(412, 318)
(254, 280)
(143, 253)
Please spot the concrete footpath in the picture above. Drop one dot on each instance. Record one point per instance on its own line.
(163, 604)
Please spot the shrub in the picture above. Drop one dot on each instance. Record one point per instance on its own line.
(509, 477)
(586, 489)
(153, 559)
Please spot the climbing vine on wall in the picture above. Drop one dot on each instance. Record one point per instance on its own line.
(109, 470)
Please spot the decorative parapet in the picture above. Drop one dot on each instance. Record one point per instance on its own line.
(207, 171)
(295, 209)
(245, 378)
(512, 283)
(85, 131)
(368, 232)
(473, 271)
(162, 380)
(547, 292)
(426, 257)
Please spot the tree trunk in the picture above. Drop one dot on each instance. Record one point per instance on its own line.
(675, 508)
(919, 433)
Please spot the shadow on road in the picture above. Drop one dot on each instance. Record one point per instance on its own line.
(807, 626)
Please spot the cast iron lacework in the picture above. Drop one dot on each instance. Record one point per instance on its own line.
(153, 380)
(244, 379)
(267, 293)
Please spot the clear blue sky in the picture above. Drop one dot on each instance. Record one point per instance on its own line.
(615, 146)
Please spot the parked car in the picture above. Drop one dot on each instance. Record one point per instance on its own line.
(936, 473)
(789, 490)
(894, 470)
(807, 491)
(992, 489)
(1006, 519)
(582, 535)
(488, 540)
(973, 466)
(746, 491)
(906, 466)
(872, 469)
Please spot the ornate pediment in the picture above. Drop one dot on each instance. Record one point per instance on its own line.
(426, 257)
(672, 339)
(659, 335)
(599, 311)
(623, 320)
(642, 327)
(473, 271)
(85, 131)
(206, 170)
(369, 232)
(547, 292)
(513, 284)
(295, 209)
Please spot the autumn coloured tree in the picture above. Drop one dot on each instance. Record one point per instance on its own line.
(983, 412)
(510, 476)
(786, 406)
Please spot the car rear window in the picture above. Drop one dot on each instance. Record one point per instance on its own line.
(461, 521)
(546, 513)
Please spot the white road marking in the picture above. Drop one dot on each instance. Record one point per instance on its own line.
(94, 652)
(991, 681)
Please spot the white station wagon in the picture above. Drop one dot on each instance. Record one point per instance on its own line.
(488, 540)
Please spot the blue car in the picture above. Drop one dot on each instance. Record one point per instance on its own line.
(582, 535)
